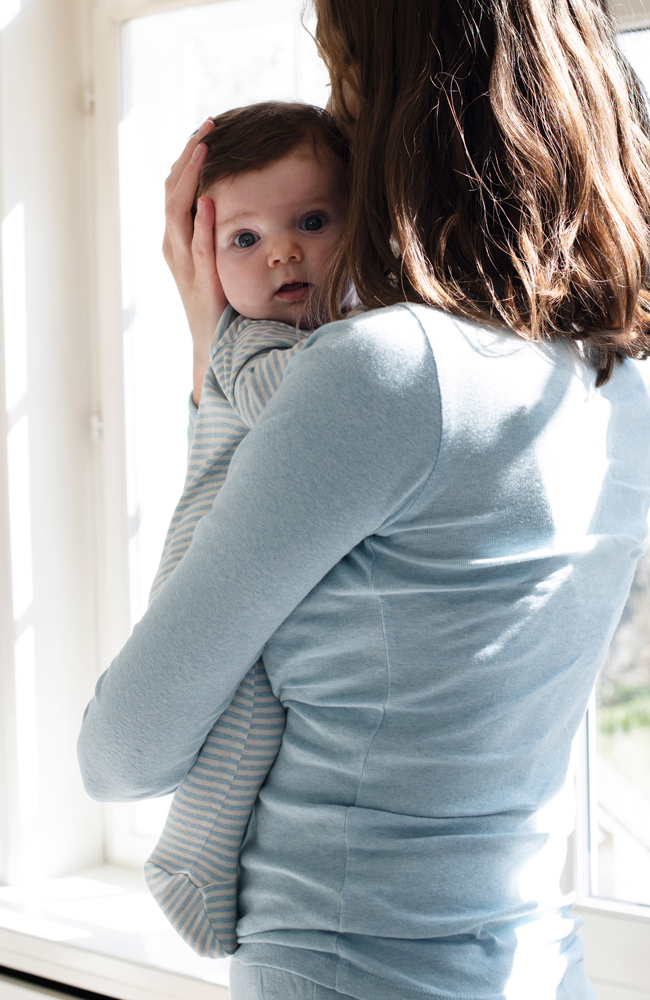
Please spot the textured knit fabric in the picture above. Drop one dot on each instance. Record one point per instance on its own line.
(192, 872)
(257, 982)
(429, 534)
(247, 361)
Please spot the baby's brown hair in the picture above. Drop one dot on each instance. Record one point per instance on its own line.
(254, 136)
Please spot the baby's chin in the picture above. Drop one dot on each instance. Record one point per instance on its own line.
(291, 313)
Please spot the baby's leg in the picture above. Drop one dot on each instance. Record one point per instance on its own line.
(192, 873)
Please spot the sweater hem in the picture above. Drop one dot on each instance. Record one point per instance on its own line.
(337, 974)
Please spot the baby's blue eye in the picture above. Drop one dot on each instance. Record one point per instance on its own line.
(245, 240)
(313, 223)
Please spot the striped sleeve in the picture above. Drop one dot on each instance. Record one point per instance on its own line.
(249, 359)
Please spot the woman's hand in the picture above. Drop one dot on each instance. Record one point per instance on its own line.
(188, 248)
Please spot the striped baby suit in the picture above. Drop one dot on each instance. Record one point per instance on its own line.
(192, 873)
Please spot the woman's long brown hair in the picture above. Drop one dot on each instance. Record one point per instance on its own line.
(501, 165)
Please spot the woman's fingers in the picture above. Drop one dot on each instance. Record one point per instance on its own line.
(182, 161)
(205, 261)
(180, 191)
(207, 301)
(181, 198)
(178, 210)
(189, 250)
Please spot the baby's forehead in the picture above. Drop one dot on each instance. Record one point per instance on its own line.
(297, 160)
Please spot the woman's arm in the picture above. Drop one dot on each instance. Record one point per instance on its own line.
(348, 440)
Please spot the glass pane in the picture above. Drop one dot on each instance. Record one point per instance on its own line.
(619, 764)
(179, 67)
(620, 760)
(635, 45)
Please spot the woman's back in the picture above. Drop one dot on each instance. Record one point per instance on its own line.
(435, 677)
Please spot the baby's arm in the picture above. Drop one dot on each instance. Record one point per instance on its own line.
(249, 359)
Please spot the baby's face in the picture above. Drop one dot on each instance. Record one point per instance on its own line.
(276, 229)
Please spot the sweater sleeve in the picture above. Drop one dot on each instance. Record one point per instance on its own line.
(249, 359)
(344, 446)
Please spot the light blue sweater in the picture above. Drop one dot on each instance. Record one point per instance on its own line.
(430, 534)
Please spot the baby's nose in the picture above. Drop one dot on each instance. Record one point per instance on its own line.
(284, 251)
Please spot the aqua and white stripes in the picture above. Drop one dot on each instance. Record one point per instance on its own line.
(248, 361)
(192, 873)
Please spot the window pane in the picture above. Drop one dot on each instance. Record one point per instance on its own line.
(620, 760)
(619, 751)
(179, 67)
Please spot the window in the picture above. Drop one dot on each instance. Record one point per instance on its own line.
(619, 730)
(177, 68)
(171, 82)
(619, 758)
(611, 859)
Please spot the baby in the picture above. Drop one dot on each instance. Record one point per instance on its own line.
(277, 176)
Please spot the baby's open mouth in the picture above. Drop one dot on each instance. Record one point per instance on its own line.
(293, 291)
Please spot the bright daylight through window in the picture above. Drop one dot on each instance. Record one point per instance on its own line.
(619, 744)
(264, 53)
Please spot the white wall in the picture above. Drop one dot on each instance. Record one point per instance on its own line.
(49, 646)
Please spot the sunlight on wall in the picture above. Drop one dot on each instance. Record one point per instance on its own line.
(20, 530)
(20, 515)
(15, 325)
(26, 734)
(71, 902)
(8, 10)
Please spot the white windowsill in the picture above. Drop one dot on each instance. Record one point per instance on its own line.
(101, 930)
(616, 939)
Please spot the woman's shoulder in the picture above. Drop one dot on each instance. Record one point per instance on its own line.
(477, 364)
(372, 327)
(389, 344)
(412, 328)
(363, 373)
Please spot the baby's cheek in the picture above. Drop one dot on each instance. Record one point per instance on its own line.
(228, 277)
(242, 299)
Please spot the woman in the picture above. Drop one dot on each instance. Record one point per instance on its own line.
(432, 530)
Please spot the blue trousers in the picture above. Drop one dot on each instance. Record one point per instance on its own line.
(260, 982)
